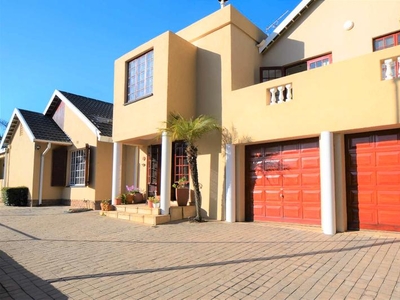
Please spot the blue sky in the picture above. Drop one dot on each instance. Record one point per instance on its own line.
(71, 45)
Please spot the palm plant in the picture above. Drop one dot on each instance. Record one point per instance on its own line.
(190, 131)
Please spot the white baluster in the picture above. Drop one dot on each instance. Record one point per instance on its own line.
(398, 66)
(280, 89)
(288, 92)
(273, 97)
(389, 71)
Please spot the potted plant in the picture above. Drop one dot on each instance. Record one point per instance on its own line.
(121, 199)
(105, 205)
(134, 194)
(181, 191)
(154, 201)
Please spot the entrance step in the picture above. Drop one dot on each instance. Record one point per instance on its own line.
(141, 213)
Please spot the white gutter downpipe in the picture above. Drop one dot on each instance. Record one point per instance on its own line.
(165, 189)
(230, 202)
(41, 173)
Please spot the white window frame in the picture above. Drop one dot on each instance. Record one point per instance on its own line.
(77, 167)
(140, 77)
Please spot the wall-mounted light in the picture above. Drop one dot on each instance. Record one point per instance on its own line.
(348, 25)
(144, 161)
(38, 147)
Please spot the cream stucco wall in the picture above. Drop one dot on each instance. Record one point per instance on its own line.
(320, 31)
(21, 156)
(175, 60)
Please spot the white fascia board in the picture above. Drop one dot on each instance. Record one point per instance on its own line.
(281, 27)
(17, 114)
(80, 115)
(53, 142)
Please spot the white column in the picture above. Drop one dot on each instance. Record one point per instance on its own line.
(328, 211)
(273, 96)
(289, 92)
(389, 72)
(117, 170)
(165, 186)
(281, 98)
(230, 201)
(135, 165)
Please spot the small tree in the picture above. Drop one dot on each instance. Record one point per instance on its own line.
(190, 131)
(3, 126)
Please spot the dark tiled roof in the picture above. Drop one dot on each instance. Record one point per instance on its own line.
(100, 113)
(43, 127)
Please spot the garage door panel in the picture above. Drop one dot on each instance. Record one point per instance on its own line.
(271, 195)
(291, 179)
(258, 195)
(389, 158)
(311, 162)
(373, 182)
(368, 216)
(388, 217)
(289, 149)
(310, 146)
(259, 208)
(388, 178)
(311, 196)
(310, 179)
(291, 163)
(273, 180)
(387, 139)
(292, 211)
(311, 213)
(292, 196)
(366, 178)
(363, 159)
(361, 142)
(389, 197)
(274, 211)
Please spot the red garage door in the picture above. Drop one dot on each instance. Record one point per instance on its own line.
(373, 180)
(282, 182)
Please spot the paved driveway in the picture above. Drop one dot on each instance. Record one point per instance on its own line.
(49, 254)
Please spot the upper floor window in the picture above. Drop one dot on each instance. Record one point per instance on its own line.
(140, 77)
(270, 73)
(387, 41)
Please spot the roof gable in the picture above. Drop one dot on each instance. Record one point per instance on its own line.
(96, 114)
(39, 128)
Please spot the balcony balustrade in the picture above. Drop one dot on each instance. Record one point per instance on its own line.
(281, 94)
(391, 68)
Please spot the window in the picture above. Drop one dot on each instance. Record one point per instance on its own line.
(79, 167)
(387, 41)
(140, 77)
(270, 73)
(319, 62)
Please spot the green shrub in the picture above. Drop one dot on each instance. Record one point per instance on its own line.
(15, 196)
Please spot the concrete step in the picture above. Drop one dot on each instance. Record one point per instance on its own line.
(141, 213)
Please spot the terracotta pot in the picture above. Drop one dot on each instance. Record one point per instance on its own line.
(117, 201)
(138, 198)
(129, 198)
(150, 204)
(105, 207)
(182, 196)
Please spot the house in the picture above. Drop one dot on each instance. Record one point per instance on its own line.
(312, 113)
(63, 156)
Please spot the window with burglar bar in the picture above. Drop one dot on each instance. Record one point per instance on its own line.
(140, 77)
(78, 167)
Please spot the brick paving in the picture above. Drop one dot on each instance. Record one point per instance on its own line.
(46, 253)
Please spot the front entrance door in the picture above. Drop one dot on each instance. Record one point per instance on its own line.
(180, 167)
